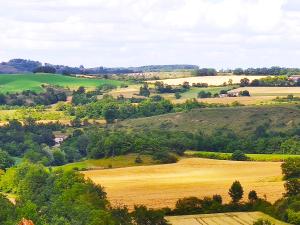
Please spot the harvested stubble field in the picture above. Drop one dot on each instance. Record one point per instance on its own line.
(237, 218)
(271, 91)
(162, 185)
(210, 80)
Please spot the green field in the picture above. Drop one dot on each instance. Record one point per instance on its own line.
(243, 120)
(252, 157)
(21, 82)
(39, 115)
(114, 162)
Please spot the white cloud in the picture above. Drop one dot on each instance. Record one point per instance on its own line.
(220, 33)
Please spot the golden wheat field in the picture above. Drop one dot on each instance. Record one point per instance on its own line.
(271, 91)
(210, 80)
(161, 185)
(237, 218)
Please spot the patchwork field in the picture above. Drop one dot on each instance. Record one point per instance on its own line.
(21, 82)
(161, 185)
(237, 218)
(210, 80)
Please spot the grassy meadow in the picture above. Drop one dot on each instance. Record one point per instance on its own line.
(240, 119)
(252, 157)
(20, 82)
(108, 163)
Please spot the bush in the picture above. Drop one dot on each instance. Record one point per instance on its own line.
(177, 95)
(252, 196)
(138, 159)
(239, 156)
(164, 157)
(262, 222)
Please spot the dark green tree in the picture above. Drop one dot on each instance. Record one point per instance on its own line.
(236, 192)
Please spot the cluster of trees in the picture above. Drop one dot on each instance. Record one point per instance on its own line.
(160, 88)
(99, 143)
(266, 71)
(64, 197)
(278, 81)
(112, 109)
(31, 98)
(19, 65)
(260, 141)
(214, 204)
(44, 69)
(205, 72)
(31, 141)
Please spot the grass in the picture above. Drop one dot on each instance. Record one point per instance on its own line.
(39, 115)
(108, 163)
(236, 218)
(159, 186)
(243, 120)
(20, 82)
(252, 157)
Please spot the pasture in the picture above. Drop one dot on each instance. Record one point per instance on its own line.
(160, 186)
(252, 157)
(210, 80)
(108, 163)
(20, 82)
(243, 120)
(236, 218)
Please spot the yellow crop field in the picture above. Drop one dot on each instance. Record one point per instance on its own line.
(162, 185)
(271, 91)
(237, 218)
(210, 80)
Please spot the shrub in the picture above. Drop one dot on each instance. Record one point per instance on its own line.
(252, 196)
(262, 222)
(164, 157)
(138, 159)
(239, 156)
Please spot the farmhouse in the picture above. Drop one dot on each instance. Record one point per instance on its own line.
(230, 94)
(294, 78)
(59, 139)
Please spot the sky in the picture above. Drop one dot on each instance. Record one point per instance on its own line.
(208, 33)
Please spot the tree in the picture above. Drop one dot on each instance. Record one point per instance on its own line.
(245, 93)
(244, 82)
(5, 160)
(252, 196)
(239, 156)
(110, 112)
(236, 192)
(144, 216)
(292, 187)
(204, 94)
(144, 90)
(177, 95)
